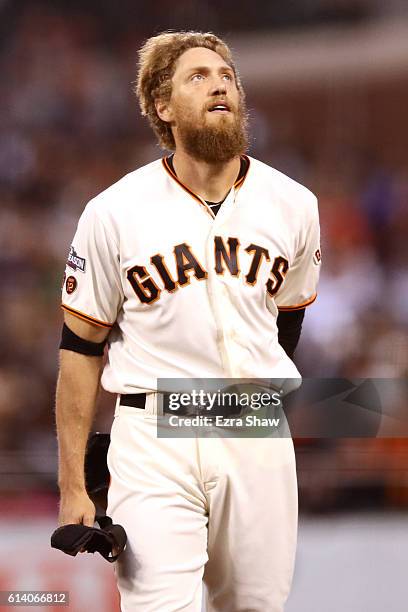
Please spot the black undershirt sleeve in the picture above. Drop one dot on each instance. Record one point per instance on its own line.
(289, 328)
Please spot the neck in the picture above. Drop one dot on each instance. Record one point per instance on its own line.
(210, 181)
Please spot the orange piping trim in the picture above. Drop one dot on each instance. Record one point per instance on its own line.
(193, 195)
(85, 317)
(299, 306)
(237, 184)
(240, 182)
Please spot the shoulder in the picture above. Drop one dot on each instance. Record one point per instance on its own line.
(126, 192)
(141, 179)
(283, 188)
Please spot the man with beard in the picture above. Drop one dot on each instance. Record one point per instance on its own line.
(199, 265)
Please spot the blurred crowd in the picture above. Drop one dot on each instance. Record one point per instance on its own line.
(70, 126)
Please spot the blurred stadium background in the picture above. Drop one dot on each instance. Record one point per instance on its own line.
(327, 89)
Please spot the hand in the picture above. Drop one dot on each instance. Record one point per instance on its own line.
(76, 508)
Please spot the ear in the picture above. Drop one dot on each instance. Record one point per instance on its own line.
(163, 110)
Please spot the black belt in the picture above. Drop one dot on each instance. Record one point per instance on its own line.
(136, 400)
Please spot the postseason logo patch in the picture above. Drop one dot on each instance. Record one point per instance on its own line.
(74, 261)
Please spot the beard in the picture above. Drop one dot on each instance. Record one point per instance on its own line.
(215, 142)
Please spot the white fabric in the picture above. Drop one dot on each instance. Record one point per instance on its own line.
(219, 326)
(219, 509)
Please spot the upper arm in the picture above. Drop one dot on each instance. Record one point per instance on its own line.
(300, 284)
(85, 330)
(92, 290)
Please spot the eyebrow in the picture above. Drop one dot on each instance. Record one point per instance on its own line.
(207, 69)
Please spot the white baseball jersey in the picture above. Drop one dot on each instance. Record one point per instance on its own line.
(187, 293)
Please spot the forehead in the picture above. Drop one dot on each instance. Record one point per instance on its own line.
(199, 56)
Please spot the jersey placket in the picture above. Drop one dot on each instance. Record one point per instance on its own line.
(218, 292)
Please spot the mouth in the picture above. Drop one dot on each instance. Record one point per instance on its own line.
(220, 107)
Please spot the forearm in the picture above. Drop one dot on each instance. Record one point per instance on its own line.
(77, 390)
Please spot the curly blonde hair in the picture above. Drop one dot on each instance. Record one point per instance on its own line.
(157, 60)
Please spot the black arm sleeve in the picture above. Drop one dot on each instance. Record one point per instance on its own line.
(289, 328)
(71, 342)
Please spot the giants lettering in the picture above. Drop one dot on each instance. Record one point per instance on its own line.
(168, 281)
(258, 252)
(188, 266)
(186, 262)
(278, 272)
(229, 257)
(143, 285)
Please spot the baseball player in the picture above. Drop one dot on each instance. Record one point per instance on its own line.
(199, 264)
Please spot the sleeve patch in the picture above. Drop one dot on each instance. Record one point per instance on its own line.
(71, 284)
(74, 261)
(317, 257)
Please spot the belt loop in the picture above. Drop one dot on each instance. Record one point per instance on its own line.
(154, 404)
(149, 406)
(117, 405)
(159, 403)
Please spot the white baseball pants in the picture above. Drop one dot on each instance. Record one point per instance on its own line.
(222, 510)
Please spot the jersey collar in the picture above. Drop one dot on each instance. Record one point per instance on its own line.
(237, 185)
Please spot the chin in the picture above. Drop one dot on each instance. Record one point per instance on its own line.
(221, 124)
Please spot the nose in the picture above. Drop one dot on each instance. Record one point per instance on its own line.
(218, 87)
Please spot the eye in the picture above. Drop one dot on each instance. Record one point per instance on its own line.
(227, 76)
(197, 77)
